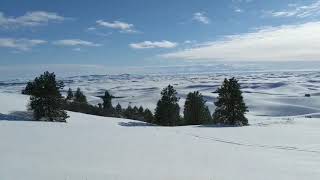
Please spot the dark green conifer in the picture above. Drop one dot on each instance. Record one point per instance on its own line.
(107, 100)
(167, 112)
(148, 116)
(230, 106)
(195, 110)
(79, 97)
(46, 100)
(69, 95)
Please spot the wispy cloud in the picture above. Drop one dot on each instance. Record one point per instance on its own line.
(119, 25)
(153, 44)
(283, 43)
(201, 17)
(30, 19)
(238, 10)
(20, 44)
(75, 42)
(96, 31)
(300, 11)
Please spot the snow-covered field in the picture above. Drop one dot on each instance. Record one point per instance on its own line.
(99, 148)
(283, 141)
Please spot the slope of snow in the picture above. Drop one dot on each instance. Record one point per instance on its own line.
(98, 148)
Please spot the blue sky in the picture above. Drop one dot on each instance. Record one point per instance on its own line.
(157, 33)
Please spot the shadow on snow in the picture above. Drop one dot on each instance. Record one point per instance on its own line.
(17, 116)
(135, 124)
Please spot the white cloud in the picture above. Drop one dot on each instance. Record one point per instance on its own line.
(74, 42)
(238, 10)
(298, 11)
(122, 26)
(30, 19)
(154, 44)
(283, 43)
(20, 44)
(201, 17)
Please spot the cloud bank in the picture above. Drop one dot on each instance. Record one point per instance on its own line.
(283, 43)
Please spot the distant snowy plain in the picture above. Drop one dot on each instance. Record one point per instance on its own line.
(271, 94)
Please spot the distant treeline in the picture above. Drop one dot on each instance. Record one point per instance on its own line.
(48, 104)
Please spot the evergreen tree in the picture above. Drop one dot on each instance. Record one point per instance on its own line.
(46, 100)
(107, 100)
(79, 97)
(148, 116)
(167, 110)
(195, 110)
(135, 114)
(119, 110)
(128, 113)
(141, 110)
(69, 94)
(230, 107)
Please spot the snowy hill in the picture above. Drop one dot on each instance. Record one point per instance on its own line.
(98, 148)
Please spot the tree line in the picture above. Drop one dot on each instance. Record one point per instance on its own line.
(48, 104)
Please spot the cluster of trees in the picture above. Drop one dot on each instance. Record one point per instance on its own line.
(230, 107)
(48, 104)
(77, 102)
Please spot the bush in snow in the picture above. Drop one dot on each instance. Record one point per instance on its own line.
(195, 110)
(46, 100)
(167, 110)
(230, 107)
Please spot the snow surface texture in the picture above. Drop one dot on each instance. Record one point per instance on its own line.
(98, 148)
(266, 93)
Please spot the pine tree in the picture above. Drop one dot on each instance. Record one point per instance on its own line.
(69, 95)
(230, 106)
(195, 110)
(135, 114)
(107, 100)
(79, 97)
(141, 110)
(148, 116)
(46, 100)
(128, 113)
(119, 110)
(167, 112)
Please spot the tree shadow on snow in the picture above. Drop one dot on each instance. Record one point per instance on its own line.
(135, 124)
(216, 126)
(17, 116)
